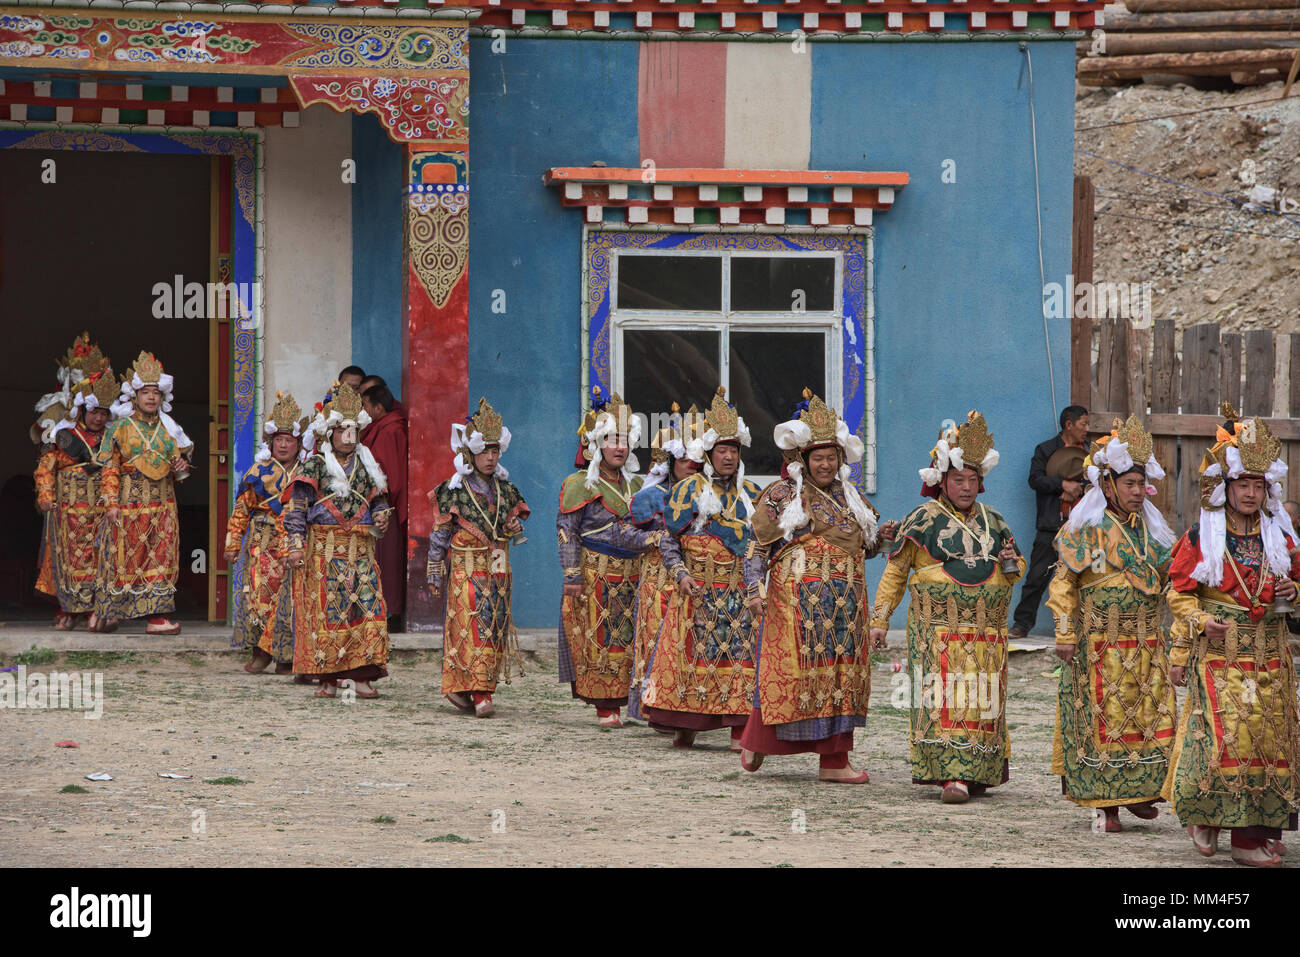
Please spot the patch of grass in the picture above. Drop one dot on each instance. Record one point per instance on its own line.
(291, 737)
(195, 661)
(73, 789)
(383, 819)
(475, 744)
(741, 834)
(448, 839)
(35, 656)
(732, 776)
(225, 781)
(267, 734)
(90, 660)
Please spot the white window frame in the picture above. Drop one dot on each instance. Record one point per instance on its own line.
(725, 319)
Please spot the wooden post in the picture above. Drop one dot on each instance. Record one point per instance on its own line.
(1257, 396)
(1081, 265)
(1164, 399)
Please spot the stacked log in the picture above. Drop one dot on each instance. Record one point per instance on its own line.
(1249, 41)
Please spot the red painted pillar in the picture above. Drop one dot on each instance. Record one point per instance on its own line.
(436, 344)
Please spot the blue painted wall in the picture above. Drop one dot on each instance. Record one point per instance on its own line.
(543, 103)
(377, 199)
(957, 291)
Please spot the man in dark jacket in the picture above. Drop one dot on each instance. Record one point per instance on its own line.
(1051, 493)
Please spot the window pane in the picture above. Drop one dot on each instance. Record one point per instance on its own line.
(768, 373)
(769, 284)
(663, 366)
(670, 282)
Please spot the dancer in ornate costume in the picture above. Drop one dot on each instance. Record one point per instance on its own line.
(671, 464)
(257, 543)
(962, 561)
(1232, 582)
(599, 556)
(144, 454)
(477, 513)
(701, 672)
(82, 359)
(1115, 709)
(67, 491)
(335, 512)
(814, 657)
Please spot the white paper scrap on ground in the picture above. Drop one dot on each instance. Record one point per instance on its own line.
(99, 776)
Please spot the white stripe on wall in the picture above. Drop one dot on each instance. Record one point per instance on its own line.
(769, 100)
(308, 282)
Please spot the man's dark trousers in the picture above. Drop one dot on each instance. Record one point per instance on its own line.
(1041, 560)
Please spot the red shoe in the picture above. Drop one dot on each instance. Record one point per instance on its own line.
(1147, 810)
(65, 621)
(753, 762)
(955, 792)
(860, 778)
(1111, 824)
(461, 701)
(1206, 839)
(162, 626)
(684, 739)
(1257, 856)
(609, 719)
(483, 705)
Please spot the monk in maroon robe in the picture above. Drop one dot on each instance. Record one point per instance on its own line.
(386, 439)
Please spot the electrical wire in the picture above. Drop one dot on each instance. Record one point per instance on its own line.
(1167, 116)
(1038, 213)
(1254, 233)
(1179, 183)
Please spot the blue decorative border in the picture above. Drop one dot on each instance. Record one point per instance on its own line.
(601, 244)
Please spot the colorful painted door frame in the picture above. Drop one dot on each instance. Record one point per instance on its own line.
(232, 433)
(414, 75)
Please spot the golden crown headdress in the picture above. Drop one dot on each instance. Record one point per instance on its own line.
(673, 430)
(1258, 447)
(821, 420)
(285, 414)
(103, 385)
(148, 369)
(487, 422)
(972, 437)
(85, 356)
(345, 401)
(1135, 437)
(722, 417)
(614, 405)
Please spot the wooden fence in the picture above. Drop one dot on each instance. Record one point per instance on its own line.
(1174, 380)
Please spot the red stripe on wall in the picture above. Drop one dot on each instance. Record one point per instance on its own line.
(681, 103)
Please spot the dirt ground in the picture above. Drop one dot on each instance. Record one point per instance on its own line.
(1207, 258)
(408, 780)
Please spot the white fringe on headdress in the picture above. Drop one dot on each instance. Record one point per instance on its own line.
(866, 520)
(1274, 523)
(793, 516)
(1115, 457)
(339, 478)
(605, 427)
(475, 443)
(125, 405)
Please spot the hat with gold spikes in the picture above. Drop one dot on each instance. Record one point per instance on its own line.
(1128, 448)
(148, 370)
(816, 425)
(1243, 448)
(604, 419)
(480, 430)
(722, 423)
(969, 445)
(285, 416)
(84, 357)
(342, 406)
(669, 442)
(99, 390)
